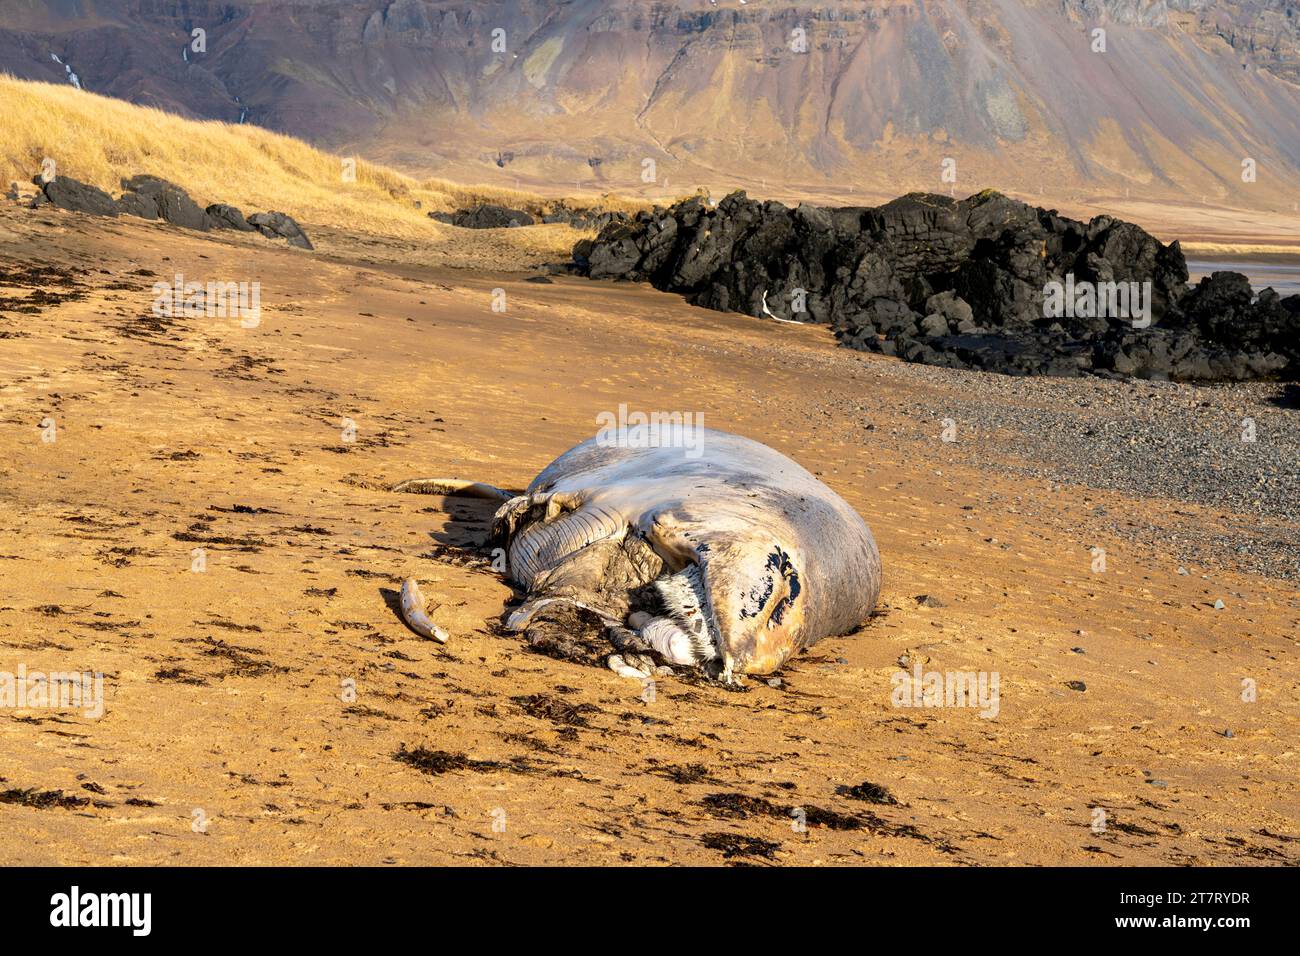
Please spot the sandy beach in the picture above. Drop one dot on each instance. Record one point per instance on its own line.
(267, 706)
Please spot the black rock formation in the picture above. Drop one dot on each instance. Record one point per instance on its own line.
(149, 197)
(485, 216)
(169, 202)
(223, 216)
(78, 197)
(582, 217)
(985, 282)
(490, 216)
(141, 205)
(277, 225)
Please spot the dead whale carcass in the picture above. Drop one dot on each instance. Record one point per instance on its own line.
(707, 549)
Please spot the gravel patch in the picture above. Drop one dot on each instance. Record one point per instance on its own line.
(1232, 449)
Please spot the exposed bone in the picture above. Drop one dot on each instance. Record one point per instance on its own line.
(768, 312)
(457, 487)
(415, 615)
(670, 641)
(631, 666)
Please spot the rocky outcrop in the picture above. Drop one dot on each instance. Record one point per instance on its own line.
(491, 216)
(1145, 13)
(485, 216)
(227, 217)
(167, 201)
(77, 197)
(149, 197)
(582, 217)
(277, 225)
(1224, 309)
(985, 282)
(139, 205)
(1263, 32)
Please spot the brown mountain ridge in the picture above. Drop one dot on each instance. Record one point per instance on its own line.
(831, 99)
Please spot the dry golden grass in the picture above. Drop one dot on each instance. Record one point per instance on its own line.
(100, 140)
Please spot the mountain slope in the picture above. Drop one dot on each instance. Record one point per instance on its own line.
(836, 97)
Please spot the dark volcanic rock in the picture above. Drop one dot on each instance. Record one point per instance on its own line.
(1224, 309)
(78, 197)
(490, 216)
(582, 217)
(223, 216)
(172, 203)
(984, 282)
(618, 251)
(277, 225)
(152, 198)
(138, 204)
(485, 216)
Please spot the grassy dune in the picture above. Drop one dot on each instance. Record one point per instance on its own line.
(99, 140)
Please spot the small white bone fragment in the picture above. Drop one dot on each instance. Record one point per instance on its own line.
(414, 614)
(451, 487)
(624, 669)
